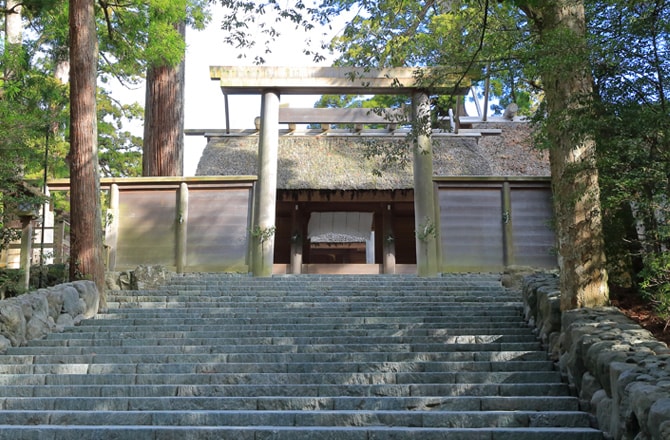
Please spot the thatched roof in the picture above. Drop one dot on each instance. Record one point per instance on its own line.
(339, 162)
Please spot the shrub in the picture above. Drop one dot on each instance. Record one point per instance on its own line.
(655, 283)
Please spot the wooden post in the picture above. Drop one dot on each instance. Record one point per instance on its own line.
(112, 232)
(508, 234)
(424, 210)
(59, 238)
(438, 227)
(388, 239)
(296, 240)
(262, 233)
(26, 249)
(182, 227)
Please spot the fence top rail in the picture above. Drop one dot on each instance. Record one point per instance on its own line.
(469, 180)
(198, 181)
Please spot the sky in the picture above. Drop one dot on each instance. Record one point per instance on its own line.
(204, 106)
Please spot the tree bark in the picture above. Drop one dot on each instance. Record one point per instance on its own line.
(86, 260)
(13, 26)
(13, 34)
(163, 152)
(568, 87)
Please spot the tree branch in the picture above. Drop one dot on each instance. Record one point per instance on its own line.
(479, 49)
(105, 9)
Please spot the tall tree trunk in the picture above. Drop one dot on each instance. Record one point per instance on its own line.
(86, 261)
(13, 26)
(163, 152)
(13, 36)
(568, 88)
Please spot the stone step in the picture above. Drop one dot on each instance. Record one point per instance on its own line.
(462, 403)
(195, 317)
(440, 308)
(180, 331)
(222, 324)
(208, 338)
(292, 390)
(290, 418)
(273, 367)
(413, 295)
(313, 283)
(51, 432)
(133, 347)
(322, 357)
(446, 294)
(343, 290)
(476, 279)
(340, 286)
(316, 297)
(86, 357)
(300, 378)
(259, 309)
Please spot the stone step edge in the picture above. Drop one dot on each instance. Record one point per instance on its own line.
(290, 340)
(362, 418)
(292, 365)
(473, 403)
(49, 432)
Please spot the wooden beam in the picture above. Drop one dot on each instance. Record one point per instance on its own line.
(337, 80)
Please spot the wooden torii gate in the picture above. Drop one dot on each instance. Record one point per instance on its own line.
(272, 82)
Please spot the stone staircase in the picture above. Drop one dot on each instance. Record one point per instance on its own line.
(294, 357)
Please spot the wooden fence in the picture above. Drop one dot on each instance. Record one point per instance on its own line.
(202, 224)
(185, 224)
(490, 223)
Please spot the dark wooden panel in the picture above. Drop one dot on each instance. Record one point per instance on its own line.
(471, 228)
(531, 226)
(146, 228)
(283, 239)
(218, 228)
(404, 239)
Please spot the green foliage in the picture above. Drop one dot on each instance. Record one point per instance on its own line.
(262, 234)
(11, 283)
(31, 103)
(132, 35)
(426, 230)
(34, 102)
(245, 24)
(387, 155)
(140, 33)
(633, 126)
(472, 39)
(119, 151)
(656, 283)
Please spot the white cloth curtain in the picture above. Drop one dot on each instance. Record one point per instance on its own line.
(356, 224)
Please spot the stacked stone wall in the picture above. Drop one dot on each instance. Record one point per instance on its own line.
(619, 371)
(34, 315)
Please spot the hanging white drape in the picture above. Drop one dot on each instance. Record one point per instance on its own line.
(356, 224)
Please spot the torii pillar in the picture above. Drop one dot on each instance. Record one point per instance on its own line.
(263, 229)
(426, 220)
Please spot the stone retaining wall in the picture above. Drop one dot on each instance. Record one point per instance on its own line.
(619, 371)
(36, 314)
